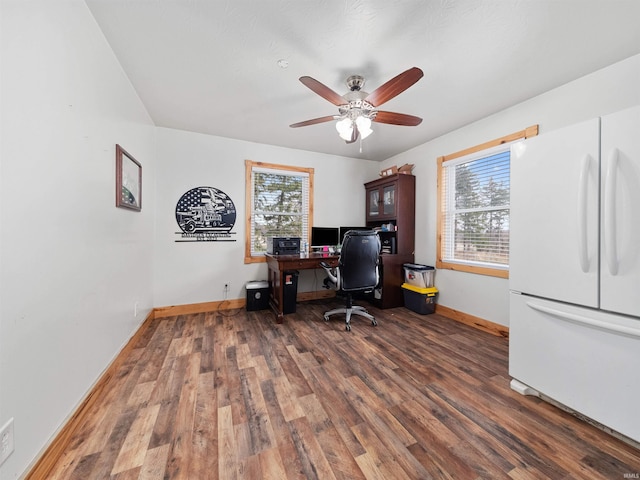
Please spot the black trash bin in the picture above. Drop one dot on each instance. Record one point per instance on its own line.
(289, 291)
(257, 295)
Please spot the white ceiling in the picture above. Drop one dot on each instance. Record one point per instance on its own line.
(211, 66)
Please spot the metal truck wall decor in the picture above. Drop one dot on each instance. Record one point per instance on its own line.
(205, 214)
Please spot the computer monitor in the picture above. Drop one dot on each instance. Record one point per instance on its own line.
(344, 230)
(324, 237)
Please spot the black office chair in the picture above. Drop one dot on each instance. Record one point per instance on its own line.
(357, 271)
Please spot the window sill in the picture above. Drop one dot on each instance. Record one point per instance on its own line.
(260, 259)
(460, 267)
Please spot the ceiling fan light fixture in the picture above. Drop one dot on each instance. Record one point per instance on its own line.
(364, 126)
(345, 128)
(357, 108)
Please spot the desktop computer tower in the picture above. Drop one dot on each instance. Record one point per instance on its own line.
(289, 291)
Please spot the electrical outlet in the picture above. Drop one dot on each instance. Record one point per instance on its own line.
(135, 309)
(6, 441)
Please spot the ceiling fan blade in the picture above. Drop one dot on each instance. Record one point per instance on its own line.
(324, 91)
(393, 87)
(328, 118)
(397, 119)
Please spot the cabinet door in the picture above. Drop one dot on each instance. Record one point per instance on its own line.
(389, 201)
(620, 236)
(382, 202)
(373, 203)
(554, 214)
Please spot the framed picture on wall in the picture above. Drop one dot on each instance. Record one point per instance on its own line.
(128, 181)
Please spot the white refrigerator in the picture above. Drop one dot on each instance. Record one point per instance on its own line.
(574, 274)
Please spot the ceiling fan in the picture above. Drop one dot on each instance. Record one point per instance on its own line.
(357, 108)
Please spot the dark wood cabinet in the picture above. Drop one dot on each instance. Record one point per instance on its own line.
(392, 276)
(391, 201)
(391, 209)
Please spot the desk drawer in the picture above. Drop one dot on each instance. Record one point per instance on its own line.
(306, 263)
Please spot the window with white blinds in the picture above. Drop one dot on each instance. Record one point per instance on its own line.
(473, 215)
(279, 199)
(476, 209)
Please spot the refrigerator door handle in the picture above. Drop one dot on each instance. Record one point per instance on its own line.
(583, 250)
(610, 249)
(586, 321)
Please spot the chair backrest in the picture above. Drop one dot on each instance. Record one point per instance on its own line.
(359, 258)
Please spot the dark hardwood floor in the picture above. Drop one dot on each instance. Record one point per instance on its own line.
(231, 394)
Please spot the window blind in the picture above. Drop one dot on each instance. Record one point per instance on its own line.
(476, 192)
(280, 201)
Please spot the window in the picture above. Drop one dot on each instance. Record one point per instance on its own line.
(473, 218)
(278, 202)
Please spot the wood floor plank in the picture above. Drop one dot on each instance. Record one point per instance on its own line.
(167, 394)
(204, 441)
(140, 394)
(272, 467)
(393, 444)
(207, 357)
(81, 469)
(262, 435)
(232, 394)
(290, 370)
(179, 347)
(220, 379)
(314, 463)
(334, 448)
(380, 461)
(107, 458)
(136, 444)
(500, 424)
(375, 412)
(286, 453)
(249, 468)
(568, 447)
(244, 447)
(227, 461)
(447, 451)
(262, 369)
(236, 391)
(288, 402)
(183, 425)
(155, 462)
(244, 356)
(269, 355)
(156, 349)
(132, 474)
(463, 427)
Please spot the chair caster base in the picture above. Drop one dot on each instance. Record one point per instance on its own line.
(349, 312)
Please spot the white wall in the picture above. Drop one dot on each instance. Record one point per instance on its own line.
(72, 265)
(196, 272)
(599, 93)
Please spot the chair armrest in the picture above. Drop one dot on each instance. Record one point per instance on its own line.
(333, 275)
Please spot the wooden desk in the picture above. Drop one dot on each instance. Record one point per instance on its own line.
(278, 264)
